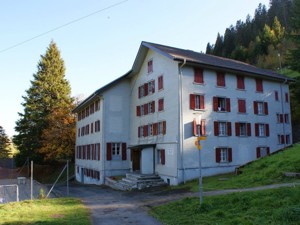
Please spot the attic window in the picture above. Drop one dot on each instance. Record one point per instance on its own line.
(150, 66)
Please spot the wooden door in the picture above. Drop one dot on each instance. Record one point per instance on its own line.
(136, 159)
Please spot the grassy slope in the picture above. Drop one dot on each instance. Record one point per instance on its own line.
(268, 170)
(60, 211)
(278, 206)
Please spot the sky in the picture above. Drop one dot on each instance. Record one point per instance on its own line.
(99, 40)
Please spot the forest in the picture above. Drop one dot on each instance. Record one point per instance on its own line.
(269, 40)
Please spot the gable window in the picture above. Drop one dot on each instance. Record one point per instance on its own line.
(160, 104)
(198, 76)
(220, 79)
(161, 156)
(196, 102)
(276, 95)
(260, 108)
(222, 128)
(240, 83)
(223, 155)
(259, 85)
(262, 130)
(221, 104)
(150, 66)
(160, 82)
(116, 151)
(241, 105)
(262, 152)
(243, 129)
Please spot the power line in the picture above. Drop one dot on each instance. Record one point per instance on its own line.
(64, 25)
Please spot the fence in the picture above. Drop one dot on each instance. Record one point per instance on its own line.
(9, 193)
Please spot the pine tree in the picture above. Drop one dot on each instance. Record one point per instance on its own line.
(4, 143)
(49, 90)
(295, 35)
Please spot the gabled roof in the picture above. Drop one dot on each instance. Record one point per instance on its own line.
(213, 62)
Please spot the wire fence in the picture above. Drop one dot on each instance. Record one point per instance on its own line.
(9, 193)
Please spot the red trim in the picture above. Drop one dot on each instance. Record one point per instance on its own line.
(215, 104)
(203, 131)
(229, 154)
(163, 156)
(266, 108)
(108, 151)
(195, 128)
(229, 133)
(248, 129)
(192, 101)
(216, 128)
(267, 130)
(201, 101)
(258, 152)
(124, 155)
(228, 104)
(237, 129)
(218, 155)
(255, 107)
(198, 75)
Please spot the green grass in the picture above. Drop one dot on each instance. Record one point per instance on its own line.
(58, 211)
(273, 207)
(290, 73)
(265, 171)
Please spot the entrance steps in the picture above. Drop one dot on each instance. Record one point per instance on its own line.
(138, 181)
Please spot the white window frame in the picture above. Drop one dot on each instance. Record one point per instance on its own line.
(261, 130)
(222, 104)
(223, 155)
(260, 108)
(116, 150)
(243, 129)
(222, 128)
(160, 128)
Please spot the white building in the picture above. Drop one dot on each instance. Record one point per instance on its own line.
(146, 120)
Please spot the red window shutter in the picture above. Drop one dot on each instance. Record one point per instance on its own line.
(282, 139)
(220, 79)
(99, 151)
(248, 129)
(164, 127)
(155, 129)
(201, 101)
(266, 108)
(218, 155)
(258, 152)
(145, 89)
(256, 130)
(286, 97)
(108, 151)
(237, 129)
(161, 104)
(192, 101)
(229, 129)
(276, 95)
(229, 154)
(139, 133)
(241, 106)
(146, 109)
(160, 83)
(198, 75)
(163, 156)
(281, 118)
(195, 128)
(145, 130)
(240, 82)
(267, 130)
(216, 128)
(268, 150)
(203, 131)
(124, 152)
(153, 106)
(259, 85)
(138, 111)
(215, 103)
(228, 104)
(255, 107)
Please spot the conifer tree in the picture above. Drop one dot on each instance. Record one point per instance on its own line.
(49, 90)
(4, 143)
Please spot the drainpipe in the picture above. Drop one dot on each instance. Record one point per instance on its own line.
(103, 158)
(180, 133)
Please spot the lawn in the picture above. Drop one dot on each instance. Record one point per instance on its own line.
(273, 207)
(58, 211)
(265, 171)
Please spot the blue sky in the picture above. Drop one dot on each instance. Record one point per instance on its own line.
(101, 47)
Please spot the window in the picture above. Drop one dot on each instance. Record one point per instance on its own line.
(150, 129)
(87, 129)
(82, 131)
(220, 79)
(196, 102)
(79, 116)
(286, 118)
(141, 91)
(87, 111)
(160, 104)
(161, 157)
(162, 128)
(261, 130)
(150, 66)
(160, 82)
(221, 104)
(243, 129)
(276, 95)
(240, 84)
(260, 108)
(287, 139)
(241, 105)
(262, 152)
(223, 155)
(83, 114)
(140, 131)
(259, 85)
(280, 139)
(222, 128)
(92, 128)
(92, 108)
(286, 97)
(97, 105)
(198, 76)
(151, 87)
(279, 118)
(199, 128)
(78, 132)
(116, 151)
(97, 126)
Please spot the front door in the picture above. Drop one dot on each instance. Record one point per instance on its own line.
(136, 159)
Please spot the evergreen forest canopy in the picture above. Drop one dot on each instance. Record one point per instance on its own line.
(269, 40)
